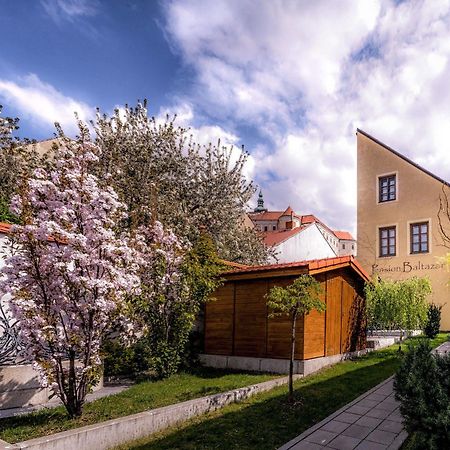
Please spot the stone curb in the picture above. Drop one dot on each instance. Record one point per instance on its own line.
(114, 432)
(315, 427)
(5, 446)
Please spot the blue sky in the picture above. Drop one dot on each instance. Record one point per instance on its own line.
(291, 80)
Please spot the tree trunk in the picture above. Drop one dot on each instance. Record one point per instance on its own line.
(291, 362)
(74, 406)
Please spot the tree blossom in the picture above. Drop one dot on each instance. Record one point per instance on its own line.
(158, 169)
(72, 274)
(164, 299)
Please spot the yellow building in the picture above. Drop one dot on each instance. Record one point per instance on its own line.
(400, 218)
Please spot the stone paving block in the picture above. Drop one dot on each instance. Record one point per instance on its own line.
(391, 400)
(386, 392)
(369, 422)
(344, 443)
(390, 425)
(367, 445)
(321, 437)
(398, 441)
(387, 406)
(305, 445)
(334, 426)
(381, 437)
(366, 403)
(378, 413)
(357, 431)
(355, 409)
(376, 396)
(347, 417)
(395, 416)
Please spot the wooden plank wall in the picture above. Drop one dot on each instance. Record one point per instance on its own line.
(353, 316)
(314, 336)
(237, 322)
(250, 318)
(219, 318)
(279, 330)
(345, 314)
(333, 314)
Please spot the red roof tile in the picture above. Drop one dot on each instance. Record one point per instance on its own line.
(310, 265)
(345, 235)
(289, 212)
(4, 227)
(277, 237)
(267, 215)
(309, 218)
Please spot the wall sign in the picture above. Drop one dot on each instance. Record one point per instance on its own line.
(408, 266)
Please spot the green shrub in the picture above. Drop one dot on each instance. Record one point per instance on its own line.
(125, 361)
(422, 385)
(141, 359)
(397, 305)
(433, 323)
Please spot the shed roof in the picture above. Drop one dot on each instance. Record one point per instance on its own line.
(292, 268)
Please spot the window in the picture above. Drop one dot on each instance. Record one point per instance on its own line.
(419, 237)
(387, 241)
(274, 227)
(343, 246)
(387, 189)
(265, 228)
(353, 246)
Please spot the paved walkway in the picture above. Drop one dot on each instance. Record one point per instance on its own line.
(103, 392)
(443, 348)
(370, 422)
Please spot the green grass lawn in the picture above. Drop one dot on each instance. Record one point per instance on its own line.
(140, 397)
(266, 421)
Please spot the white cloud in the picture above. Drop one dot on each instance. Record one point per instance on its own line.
(42, 103)
(69, 10)
(306, 74)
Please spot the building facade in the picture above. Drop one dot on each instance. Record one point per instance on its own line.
(400, 217)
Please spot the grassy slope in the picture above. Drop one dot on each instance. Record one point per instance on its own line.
(140, 397)
(266, 421)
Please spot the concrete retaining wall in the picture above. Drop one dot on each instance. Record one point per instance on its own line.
(385, 338)
(247, 363)
(106, 435)
(281, 366)
(19, 386)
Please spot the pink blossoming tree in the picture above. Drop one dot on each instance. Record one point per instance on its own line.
(71, 274)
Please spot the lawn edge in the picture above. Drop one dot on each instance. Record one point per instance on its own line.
(114, 432)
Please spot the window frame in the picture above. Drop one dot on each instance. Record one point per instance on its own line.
(380, 243)
(387, 177)
(411, 236)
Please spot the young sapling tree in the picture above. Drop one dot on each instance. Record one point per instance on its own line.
(296, 300)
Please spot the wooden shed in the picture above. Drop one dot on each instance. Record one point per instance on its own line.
(237, 323)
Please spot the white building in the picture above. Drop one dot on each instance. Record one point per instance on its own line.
(300, 237)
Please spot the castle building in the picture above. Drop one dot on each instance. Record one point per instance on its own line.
(298, 237)
(403, 217)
